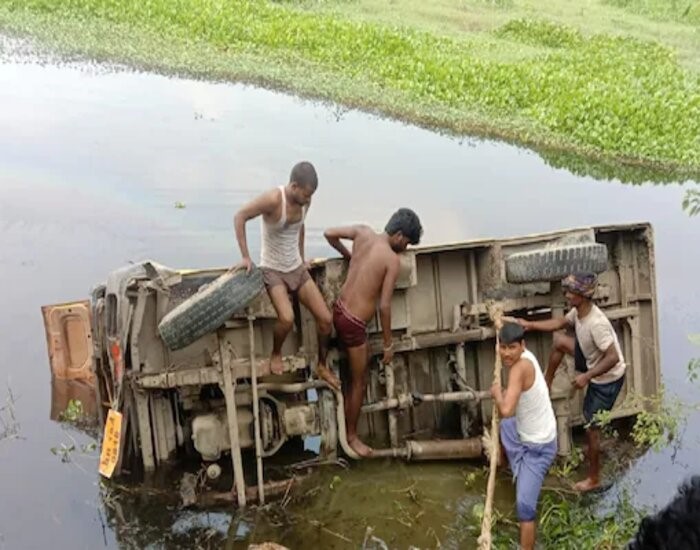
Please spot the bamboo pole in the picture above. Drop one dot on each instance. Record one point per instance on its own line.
(496, 314)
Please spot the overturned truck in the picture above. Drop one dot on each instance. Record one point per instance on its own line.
(192, 379)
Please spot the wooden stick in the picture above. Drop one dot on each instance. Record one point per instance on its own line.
(496, 313)
(232, 417)
(256, 411)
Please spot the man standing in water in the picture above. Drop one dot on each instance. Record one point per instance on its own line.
(283, 211)
(528, 429)
(597, 356)
(374, 268)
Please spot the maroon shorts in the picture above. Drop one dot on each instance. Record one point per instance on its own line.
(293, 280)
(351, 330)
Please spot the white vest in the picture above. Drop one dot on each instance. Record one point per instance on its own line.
(280, 241)
(534, 416)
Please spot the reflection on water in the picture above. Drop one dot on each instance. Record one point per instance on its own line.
(150, 518)
(93, 164)
(607, 170)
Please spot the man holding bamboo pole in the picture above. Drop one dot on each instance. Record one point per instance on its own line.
(528, 430)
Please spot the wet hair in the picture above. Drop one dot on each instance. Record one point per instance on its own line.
(406, 221)
(511, 333)
(675, 526)
(304, 174)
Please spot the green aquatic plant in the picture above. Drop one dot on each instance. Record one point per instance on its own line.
(335, 482)
(565, 466)
(657, 426)
(694, 364)
(471, 478)
(540, 33)
(577, 522)
(565, 523)
(658, 423)
(691, 202)
(65, 450)
(74, 412)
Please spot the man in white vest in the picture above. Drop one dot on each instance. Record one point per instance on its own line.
(528, 426)
(282, 211)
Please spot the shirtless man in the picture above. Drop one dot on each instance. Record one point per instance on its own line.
(283, 211)
(374, 268)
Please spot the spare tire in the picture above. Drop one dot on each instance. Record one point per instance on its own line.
(551, 264)
(210, 308)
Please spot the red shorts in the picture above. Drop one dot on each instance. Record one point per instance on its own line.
(351, 330)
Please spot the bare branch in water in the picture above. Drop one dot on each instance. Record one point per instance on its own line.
(9, 426)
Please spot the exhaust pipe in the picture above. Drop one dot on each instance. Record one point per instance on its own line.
(434, 449)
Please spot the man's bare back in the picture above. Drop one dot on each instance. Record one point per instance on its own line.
(371, 258)
(372, 274)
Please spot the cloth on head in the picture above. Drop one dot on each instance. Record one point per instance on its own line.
(583, 284)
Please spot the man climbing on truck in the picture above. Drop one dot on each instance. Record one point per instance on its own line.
(597, 358)
(528, 429)
(372, 275)
(283, 212)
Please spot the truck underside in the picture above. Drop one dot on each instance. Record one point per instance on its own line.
(215, 401)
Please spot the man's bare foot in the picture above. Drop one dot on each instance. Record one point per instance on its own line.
(360, 448)
(586, 485)
(327, 375)
(276, 366)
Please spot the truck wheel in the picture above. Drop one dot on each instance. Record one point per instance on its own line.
(550, 264)
(210, 308)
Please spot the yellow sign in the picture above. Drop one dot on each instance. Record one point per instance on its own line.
(111, 443)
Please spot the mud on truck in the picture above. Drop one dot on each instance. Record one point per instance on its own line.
(183, 355)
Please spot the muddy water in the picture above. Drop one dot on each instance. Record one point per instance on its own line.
(92, 162)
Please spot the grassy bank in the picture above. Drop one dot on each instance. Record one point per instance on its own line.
(673, 23)
(527, 80)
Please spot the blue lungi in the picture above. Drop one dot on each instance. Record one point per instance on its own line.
(529, 463)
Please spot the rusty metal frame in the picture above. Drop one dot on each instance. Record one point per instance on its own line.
(201, 376)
